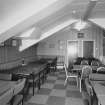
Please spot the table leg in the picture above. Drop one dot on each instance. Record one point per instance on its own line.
(33, 84)
(39, 82)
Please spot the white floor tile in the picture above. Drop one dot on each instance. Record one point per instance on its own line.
(39, 99)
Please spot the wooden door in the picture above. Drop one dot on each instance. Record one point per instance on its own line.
(88, 49)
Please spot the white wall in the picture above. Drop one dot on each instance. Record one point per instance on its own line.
(11, 57)
(51, 45)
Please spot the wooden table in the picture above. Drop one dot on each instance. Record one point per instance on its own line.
(40, 71)
(29, 71)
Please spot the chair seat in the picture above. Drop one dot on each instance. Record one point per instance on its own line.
(72, 75)
(60, 65)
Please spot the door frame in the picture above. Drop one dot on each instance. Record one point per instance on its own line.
(94, 44)
(67, 49)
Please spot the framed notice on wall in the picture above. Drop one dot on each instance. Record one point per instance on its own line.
(14, 42)
(80, 35)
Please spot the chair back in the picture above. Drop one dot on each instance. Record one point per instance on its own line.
(86, 71)
(94, 63)
(66, 71)
(19, 86)
(101, 70)
(84, 62)
(6, 97)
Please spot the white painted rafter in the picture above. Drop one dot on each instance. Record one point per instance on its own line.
(99, 21)
(46, 34)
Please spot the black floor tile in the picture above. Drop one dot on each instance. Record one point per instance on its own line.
(73, 94)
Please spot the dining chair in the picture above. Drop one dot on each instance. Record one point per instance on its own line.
(86, 71)
(84, 62)
(6, 97)
(53, 65)
(70, 75)
(94, 63)
(18, 97)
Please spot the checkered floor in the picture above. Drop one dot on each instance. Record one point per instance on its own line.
(53, 92)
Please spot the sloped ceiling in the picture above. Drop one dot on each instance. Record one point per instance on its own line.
(98, 14)
(46, 16)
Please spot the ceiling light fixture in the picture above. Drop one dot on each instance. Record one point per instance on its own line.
(80, 25)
